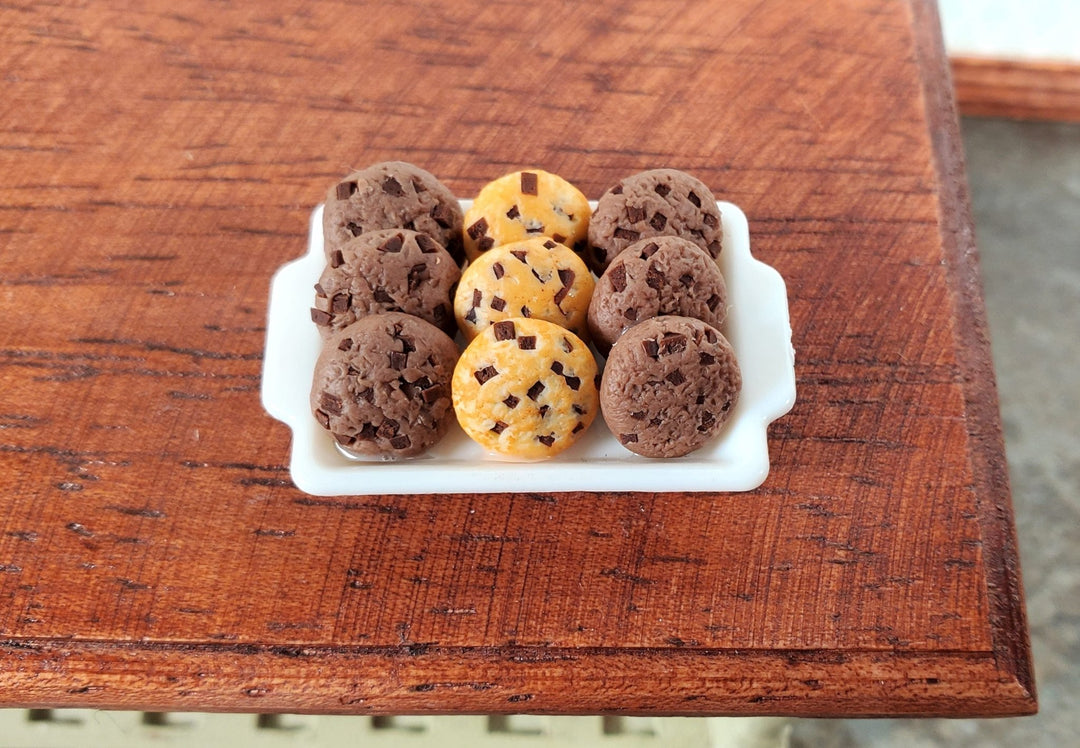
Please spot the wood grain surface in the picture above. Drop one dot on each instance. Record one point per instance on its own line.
(160, 163)
(1017, 89)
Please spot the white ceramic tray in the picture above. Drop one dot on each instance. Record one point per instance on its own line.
(736, 460)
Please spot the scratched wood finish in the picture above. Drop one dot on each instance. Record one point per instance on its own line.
(160, 164)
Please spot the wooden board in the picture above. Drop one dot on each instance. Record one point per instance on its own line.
(1017, 89)
(160, 164)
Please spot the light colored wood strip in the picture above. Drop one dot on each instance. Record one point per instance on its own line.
(1017, 89)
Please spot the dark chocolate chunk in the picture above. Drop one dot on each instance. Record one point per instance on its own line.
(340, 303)
(504, 330)
(398, 360)
(560, 295)
(630, 314)
(573, 383)
(710, 334)
(526, 312)
(319, 317)
(638, 415)
(345, 344)
(617, 189)
(557, 367)
(320, 291)
(485, 243)
(547, 441)
(712, 303)
(337, 259)
(392, 187)
(368, 432)
(393, 244)
(707, 420)
(520, 254)
(498, 270)
(628, 438)
(499, 427)
(676, 377)
(706, 359)
(649, 250)
(367, 394)
(418, 274)
(551, 243)
(344, 439)
(544, 410)
(557, 237)
(511, 402)
(432, 393)
(672, 343)
(635, 214)
(566, 276)
(322, 418)
(617, 274)
(654, 278)
(477, 297)
(380, 295)
(535, 229)
(427, 244)
(658, 221)
(578, 409)
(627, 234)
(478, 229)
(470, 316)
(650, 347)
(485, 374)
(662, 190)
(443, 215)
(710, 220)
(513, 213)
(577, 428)
(692, 197)
(527, 342)
(401, 441)
(354, 228)
(344, 189)
(686, 279)
(566, 345)
(535, 390)
(529, 183)
(388, 428)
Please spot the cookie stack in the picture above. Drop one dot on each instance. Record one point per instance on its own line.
(527, 385)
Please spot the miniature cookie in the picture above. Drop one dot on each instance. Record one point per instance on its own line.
(392, 270)
(382, 385)
(536, 278)
(659, 202)
(526, 388)
(669, 385)
(665, 275)
(391, 195)
(526, 204)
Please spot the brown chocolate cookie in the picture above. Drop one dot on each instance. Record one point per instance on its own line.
(658, 202)
(392, 195)
(382, 385)
(665, 275)
(669, 386)
(392, 270)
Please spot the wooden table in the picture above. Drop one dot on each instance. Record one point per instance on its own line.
(159, 165)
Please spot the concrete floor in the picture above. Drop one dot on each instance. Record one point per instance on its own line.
(1025, 184)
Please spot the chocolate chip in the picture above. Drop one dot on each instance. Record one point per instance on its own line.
(498, 270)
(392, 187)
(401, 441)
(573, 383)
(712, 303)
(692, 197)
(578, 409)
(649, 250)
(658, 221)
(617, 189)
(407, 345)
(617, 274)
(485, 374)
(470, 316)
(650, 347)
(527, 342)
(654, 278)
(662, 190)
(443, 215)
(686, 279)
(536, 275)
(344, 189)
(427, 244)
(368, 431)
(478, 229)
(578, 428)
(323, 419)
(547, 441)
(520, 254)
(485, 243)
(380, 295)
(367, 395)
(710, 334)
(340, 303)
(566, 345)
(432, 393)
(628, 438)
(707, 420)
(699, 400)
(319, 317)
(557, 237)
(672, 343)
(511, 402)
(513, 213)
(627, 234)
(526, 312)
(551, 244)
(560, 296)
(345, 345)
(499, 427)
(638, 415)
(417, 275)
(537, 229)
(477, 297)
(535, 390)
(393, 244)
(529, 183)
(714, 249)
(344, 439)
(418, 186)
(566, 276)
(337, 259)
(398, 360)
(710, 220)
(630, 314)
(635, 214)
(504, 330)
(557, 367)
(354, 228)
(544, 410)
(706, 359)
(676, 377)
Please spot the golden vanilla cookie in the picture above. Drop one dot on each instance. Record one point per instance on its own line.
(526, 388)
(526, 204)
(536, 278)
